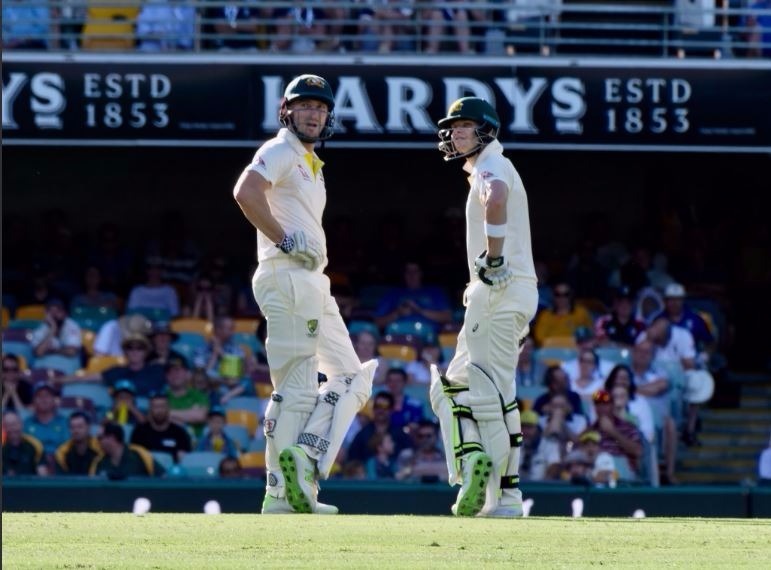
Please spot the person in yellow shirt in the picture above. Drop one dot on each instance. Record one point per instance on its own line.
(564, 317)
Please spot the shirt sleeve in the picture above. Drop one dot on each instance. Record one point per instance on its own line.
(270, 163)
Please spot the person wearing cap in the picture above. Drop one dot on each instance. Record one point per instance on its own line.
(159, 432)
(619, 437)
(118, 460)
(45, 423)
(679, 313)
(214, 437)
(57, 341)
(124, 410)
(620, 327)
(74, 457)
(147, 377)
(188, 405)
(577, 468)
(161, 337)
(110, 335)
(603, 466)
(541, 456)
(22, 453)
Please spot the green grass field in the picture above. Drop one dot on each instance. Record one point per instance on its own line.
(94, 540)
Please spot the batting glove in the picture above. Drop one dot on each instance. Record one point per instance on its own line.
(306, 251)
(493, 271)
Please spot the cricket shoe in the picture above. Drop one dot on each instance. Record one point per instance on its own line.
(505, 512)
(280, 506)
(299, 479)
(477, 469)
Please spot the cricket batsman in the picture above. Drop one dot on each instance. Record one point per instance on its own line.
(282, 194)
(475, 401)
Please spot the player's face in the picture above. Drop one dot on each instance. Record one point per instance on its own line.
(310, 116)
(464, 135)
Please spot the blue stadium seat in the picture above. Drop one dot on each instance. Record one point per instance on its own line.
(204, 464)
(153, 314)
(420, 329)
(20, 348)
(355, 327)
(97, 393)
(164, 459)
(614, 354)
(239, 434)
(250, 403)
(92, 318)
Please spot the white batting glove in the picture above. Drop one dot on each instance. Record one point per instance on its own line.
(493, 271)
(306, 251)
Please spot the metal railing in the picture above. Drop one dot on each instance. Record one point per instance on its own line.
(654, 28)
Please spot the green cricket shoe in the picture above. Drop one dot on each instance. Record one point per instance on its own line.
(299, 479)
(477, 468)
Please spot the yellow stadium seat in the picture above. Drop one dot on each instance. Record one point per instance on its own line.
(101, 362)
(87, 337)
(110, 27)
(252, 460)
(559, 342)
(31, 312)
(6, 316)
(193, 325)
(244, 418)
(246, 325)
(710, 322)
(402, 352)
(448, 339)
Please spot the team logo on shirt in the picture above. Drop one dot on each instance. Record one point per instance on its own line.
(313, 327)
(304, 174)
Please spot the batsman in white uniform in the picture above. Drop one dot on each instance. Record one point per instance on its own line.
(282, 194)
(475, 401)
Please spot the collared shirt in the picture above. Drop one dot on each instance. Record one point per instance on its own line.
(297, 196)
(517, 250)
(69, 336)
(51, 434)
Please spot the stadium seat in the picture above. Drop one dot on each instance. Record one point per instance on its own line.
(253, 463)
(257, 443)
(355, 327)
(243, 325)
(87, 338)
(110, 28)
(613, 354)
(163, 459)
(239, 434)
(201, 463)
(529, 394)
(16, 334)
(422, 330)
(188, 344)
(59, 362)
(98, 363)
(559, 342)
(448, 339)
(19, 348)
(595, 306)
(5, 317)
(420, 393)
(97, 393)
(92, 318)
(263, 386)
(250, 420)
(70, 404)
(370, 295)
(151, 313)
(401, 352)
(250, 403)
(25, 324)
(192, 325)
(36, 312)
(250, 341)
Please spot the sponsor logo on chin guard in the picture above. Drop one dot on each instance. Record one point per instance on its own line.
(313, 327)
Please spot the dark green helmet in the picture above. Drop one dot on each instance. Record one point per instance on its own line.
(473, 109)
(470, 109)
(310, 87)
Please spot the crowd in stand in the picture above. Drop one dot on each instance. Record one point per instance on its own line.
(122, 361)
(361, 26)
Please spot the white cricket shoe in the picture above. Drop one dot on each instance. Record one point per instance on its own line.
(505, 512)
(280, 506)
(477, 468)
(299, 479)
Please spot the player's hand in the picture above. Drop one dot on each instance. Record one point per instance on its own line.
(493, 271)
(306, 251)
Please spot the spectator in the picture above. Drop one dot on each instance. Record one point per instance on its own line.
(563, 318)
(414, 302)
(636, 408)
(441, 18)
(419, 371)
(215, 438)
(764, 465)
(525, 375)
(27, 25)
(620, 327)
(382, 408)
(561, 422)
(578, 468)
(118, 461)
(224, 357)
(124, 410)
(649, 304)
(22, 453)
(45, 423)
(111, 334)
(17, 392)
(230, 468)
(540, 457)
(235, 25)
(161, 338)
(93, 295)
(681, 315)
(75, 456)
(166, 25)
(557, 381)
(758, 23)
(147, 378)
(365, 344)
(204, 304)
(159, 433)
(587, 379)
(603, 466)
(382, 462)
(407, 411)
(154, 293)
(114, 260)
(619, 437)
(383, 25)
(426, 462)
(57, 341)
(188, 405)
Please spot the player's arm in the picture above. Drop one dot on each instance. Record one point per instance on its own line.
(495, 217)
(249, 193)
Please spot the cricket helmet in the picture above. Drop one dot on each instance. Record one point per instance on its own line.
(308, 87)
(471, 109)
